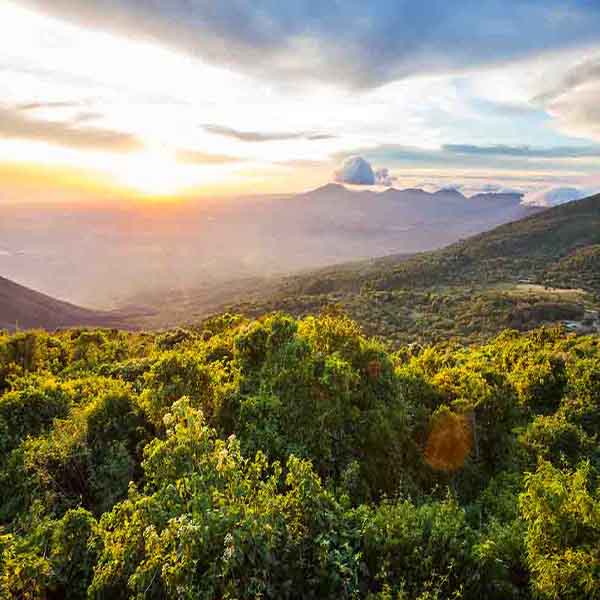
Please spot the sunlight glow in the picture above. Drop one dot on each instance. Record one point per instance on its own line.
(155, 172)
(86, 82)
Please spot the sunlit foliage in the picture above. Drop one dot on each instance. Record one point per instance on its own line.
(285, 458)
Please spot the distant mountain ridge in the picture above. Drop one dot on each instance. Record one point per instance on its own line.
(417, 198)
(527, 247)
(393, 191)
(446, 215)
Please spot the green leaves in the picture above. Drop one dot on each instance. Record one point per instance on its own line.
(286, 459)
(562, 512)
(63, 568)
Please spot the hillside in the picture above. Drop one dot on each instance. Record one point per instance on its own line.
(532, 247)
(540, 269)
(529, 248)
(23, 308)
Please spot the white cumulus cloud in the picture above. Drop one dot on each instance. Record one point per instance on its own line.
(555, 196)
(355, 170)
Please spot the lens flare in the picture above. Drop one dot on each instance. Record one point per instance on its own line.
(449, 441)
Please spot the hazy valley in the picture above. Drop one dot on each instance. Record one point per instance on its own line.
(106, 257)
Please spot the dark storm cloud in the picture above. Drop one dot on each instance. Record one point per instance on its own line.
(354, 43)
(258, 136)
(17, 125)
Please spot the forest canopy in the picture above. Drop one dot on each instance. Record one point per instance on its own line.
(285, 458)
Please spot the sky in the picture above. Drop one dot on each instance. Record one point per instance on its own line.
(122, 100)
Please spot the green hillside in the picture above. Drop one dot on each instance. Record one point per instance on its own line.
(539, 270)
(524, 249)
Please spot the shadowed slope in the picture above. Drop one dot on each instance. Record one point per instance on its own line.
(21, 307)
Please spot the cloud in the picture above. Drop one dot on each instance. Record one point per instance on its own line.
(356, 171)
(490, 188)
(82, 116)
(495, 188)
(578, 112)
(356, 43)
(320, 136)
(300, 162)
(497, 157)
(194, 157)
(44, 105)
(573, 100)
(582, 73)
(14, 124)
(555, 196)
(383, 177)
(31, 106)
(451, 187)
(524, 151)
(86, 116)
(257, 136)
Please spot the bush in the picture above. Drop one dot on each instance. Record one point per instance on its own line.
(562, 513)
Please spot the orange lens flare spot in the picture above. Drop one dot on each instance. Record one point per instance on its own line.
(374, 369)
(449, 441)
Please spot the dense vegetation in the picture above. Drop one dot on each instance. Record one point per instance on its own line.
(284, 458)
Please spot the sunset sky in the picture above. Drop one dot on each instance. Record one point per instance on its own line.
(125, 99)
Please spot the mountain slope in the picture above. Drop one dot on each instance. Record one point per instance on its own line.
(527, 248)
(21, 307)
(469, 290)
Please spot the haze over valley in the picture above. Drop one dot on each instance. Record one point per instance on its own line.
(104, 257)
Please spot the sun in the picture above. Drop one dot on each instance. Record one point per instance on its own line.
(156, 173)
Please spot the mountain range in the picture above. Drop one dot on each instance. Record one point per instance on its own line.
(110, 255)
(555, 247)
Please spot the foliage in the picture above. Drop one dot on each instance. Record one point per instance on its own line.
(297, 458)
(562, 512)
